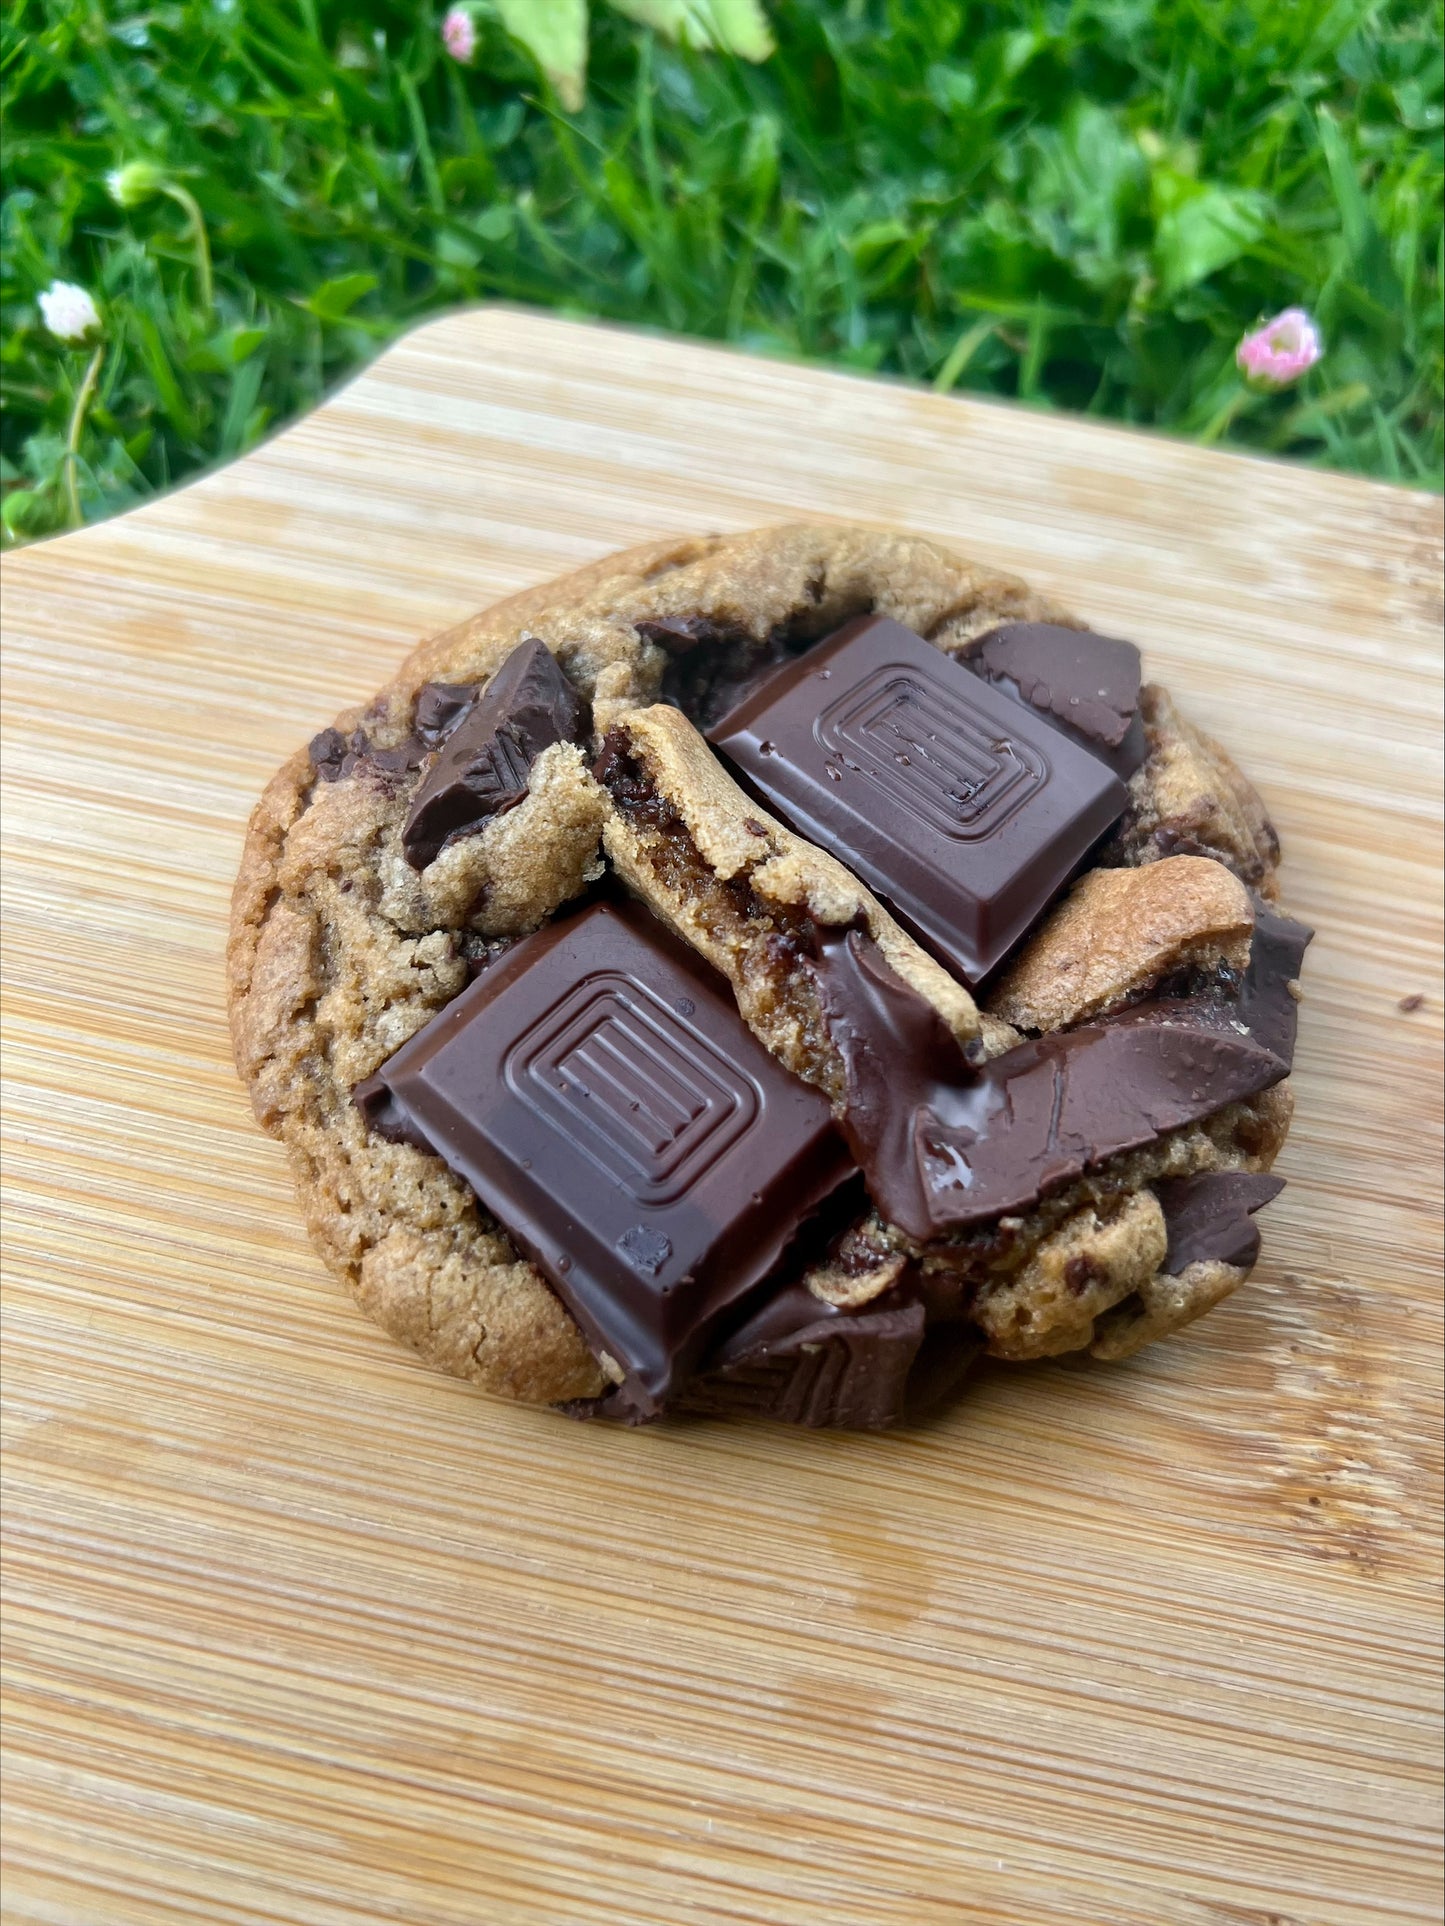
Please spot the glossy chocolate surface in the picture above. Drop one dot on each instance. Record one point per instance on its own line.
(821, 1366)
(1267, 1006)
(487, 750)
(1209, 1217)
(1084, 683)
(965, 810)
(598, 1090)
(1262, 1005)
(945, 1146)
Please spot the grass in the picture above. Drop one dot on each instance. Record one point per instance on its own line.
(1080, 203)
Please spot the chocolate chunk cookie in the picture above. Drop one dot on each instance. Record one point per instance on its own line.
(762, 974)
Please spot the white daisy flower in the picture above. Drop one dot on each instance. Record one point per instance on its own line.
(69, 312)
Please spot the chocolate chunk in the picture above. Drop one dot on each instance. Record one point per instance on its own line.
(598, 1090)
(945, 1146)
(1085, 683)
(1208, 1217)
(678, 633)
(963, 809)
(863, 1373)
(483, 764)
(440, 706)
(947, 1354)
(838, 1368)
(706, 683)
(334, 755)
(1266, 1005)
(406, 755)
(1263, 1006)
(802, 1361)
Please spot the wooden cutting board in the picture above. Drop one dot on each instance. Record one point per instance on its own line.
(299, 1632)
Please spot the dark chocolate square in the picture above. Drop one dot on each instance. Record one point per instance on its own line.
(598, 1090)
(963, 809)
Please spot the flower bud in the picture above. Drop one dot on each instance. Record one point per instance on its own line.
(134, 183)
(1280, 351)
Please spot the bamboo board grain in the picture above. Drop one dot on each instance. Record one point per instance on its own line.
(297, 1632)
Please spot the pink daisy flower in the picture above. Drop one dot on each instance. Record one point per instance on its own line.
(459, 34)
(1281, 350)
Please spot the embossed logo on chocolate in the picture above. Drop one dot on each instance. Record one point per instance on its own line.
(930, 752)
(631, 1086)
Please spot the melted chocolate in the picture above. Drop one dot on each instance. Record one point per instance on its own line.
(484, 762)
(1085, 683)
(1262, 1007)
(706, 683)
(567, 1085)
(945, 1146)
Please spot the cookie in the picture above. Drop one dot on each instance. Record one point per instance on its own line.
(762, 974)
